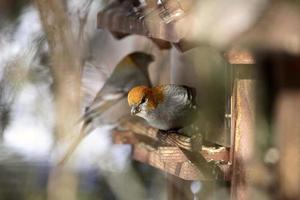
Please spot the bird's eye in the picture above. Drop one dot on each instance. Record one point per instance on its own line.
(143, 100)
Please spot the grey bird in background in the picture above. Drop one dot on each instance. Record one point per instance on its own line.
(130, 72)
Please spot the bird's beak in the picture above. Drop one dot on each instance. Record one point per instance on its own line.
(134, 110)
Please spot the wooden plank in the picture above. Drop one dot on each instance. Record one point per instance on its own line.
(163, 23)
(285, 72)
(173, 160)
(243, 119)
(288, 130)
(155, 22)
(171, 154)
(220, 154)
(239, 56)
(160, 22)
(185, 169)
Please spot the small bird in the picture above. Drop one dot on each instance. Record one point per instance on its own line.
(166, 107)
(130, 72)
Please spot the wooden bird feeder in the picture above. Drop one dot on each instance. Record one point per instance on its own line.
(170, 152)
(159, 21)
(173, 153)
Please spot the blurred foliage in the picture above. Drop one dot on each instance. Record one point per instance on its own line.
(11, 9)
(20, 179)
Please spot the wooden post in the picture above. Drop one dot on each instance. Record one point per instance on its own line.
(243, 118)
(286, 81)
(288, 130)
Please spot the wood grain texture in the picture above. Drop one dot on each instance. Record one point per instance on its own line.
(157, 21)
(167, 153)
(160, 22)
(183, 169)
(243, 129)
(287, 127)
(237, 56)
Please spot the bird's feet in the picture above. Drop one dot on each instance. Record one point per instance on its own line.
(162, 135)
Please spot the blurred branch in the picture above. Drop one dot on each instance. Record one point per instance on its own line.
(66, 71)
(83, 19)
(66, 64)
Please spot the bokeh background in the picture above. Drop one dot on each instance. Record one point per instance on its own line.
(45, 85)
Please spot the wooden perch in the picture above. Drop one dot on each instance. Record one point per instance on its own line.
(180, 166)
(160, 22)
(237, 56)
(168, 153)
(156, 21)
(175, 139)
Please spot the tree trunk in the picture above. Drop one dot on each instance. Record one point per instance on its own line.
(66, 71)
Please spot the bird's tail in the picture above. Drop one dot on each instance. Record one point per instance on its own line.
(87, 126)
(83, 132)
(96, 110)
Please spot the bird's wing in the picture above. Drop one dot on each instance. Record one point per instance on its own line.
(179, 103)
(125, 76)
(102, 104)
(181, 95)
(93, 78)
(89, 115)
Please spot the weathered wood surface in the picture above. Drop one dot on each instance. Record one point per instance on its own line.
(285, 78)
(181, 167)
(237, 56)
(155, 21)
(160, 22)
(243, 130)
(288, 129)
(167, 153)
(220, 154)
